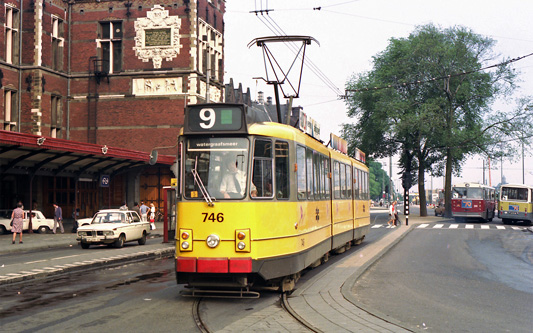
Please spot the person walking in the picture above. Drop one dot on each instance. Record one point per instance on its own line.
(392, 212)
(17, 222)
(152, 216)
(58, 218)
(396, 218)
(144, 212)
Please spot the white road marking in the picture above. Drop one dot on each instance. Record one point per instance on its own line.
(469, 226)
(422, 226)
(485, 227)
(438, 226)
(59, 258)
(501, 227)
(454, 226)
(34, 262)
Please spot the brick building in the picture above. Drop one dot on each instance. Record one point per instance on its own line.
(109, 73)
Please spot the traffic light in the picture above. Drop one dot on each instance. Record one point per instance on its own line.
(407, 180)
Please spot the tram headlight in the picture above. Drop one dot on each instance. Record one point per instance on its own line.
(186, 240)
(243, 241)
(212, 241)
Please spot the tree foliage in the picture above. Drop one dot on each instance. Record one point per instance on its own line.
(428, 99)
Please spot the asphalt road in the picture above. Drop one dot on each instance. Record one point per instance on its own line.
(454, 279)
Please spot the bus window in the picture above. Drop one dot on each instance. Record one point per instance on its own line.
(262, 173)
(282, 170)
(301, 172)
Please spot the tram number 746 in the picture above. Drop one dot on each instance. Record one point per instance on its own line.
(211, 217)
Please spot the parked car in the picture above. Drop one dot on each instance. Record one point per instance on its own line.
(84, 221)
(113, 227)
(38, 222)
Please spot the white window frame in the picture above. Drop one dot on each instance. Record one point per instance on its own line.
(10, 100)
(12, 31)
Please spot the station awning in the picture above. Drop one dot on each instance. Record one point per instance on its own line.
(27, 154)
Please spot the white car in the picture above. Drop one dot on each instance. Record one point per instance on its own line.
(113, 227)
(38, 222)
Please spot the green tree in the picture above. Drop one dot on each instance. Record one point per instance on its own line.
(435, 109)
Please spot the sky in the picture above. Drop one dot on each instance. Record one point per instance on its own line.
(350, 33)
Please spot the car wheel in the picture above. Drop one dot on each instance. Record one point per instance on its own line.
(43, 229)
(3, 230)
(84, 245)
(119, 242)
(142, 240)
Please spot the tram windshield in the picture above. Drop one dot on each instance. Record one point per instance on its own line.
(216, 168)
(467, 192)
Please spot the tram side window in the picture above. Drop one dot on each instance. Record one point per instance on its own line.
(282, 170)
(327, 175)
(349, 181)
(317, 176)
(367, 187)
(301, 172)
(357, 181)
(310, 181)
(336, 180)
(342, 173)
(262, 174)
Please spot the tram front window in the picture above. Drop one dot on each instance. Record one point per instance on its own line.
(221, 166)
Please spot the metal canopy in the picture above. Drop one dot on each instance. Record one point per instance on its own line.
(27, 154)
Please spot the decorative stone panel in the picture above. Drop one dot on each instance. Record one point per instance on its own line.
(157, 36)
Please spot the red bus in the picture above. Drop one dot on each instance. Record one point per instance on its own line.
(473, 201)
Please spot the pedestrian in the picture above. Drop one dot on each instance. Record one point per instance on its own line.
(58, 218)
(136, 208)
(396, 218)
(16, 222)
(152, 216)
(124, 206)
(75, 217)
(392, 211)
(144, 212)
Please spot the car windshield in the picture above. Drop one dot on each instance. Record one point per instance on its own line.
(109, 218)
(216, 167)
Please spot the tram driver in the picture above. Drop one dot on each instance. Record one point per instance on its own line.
(233, 182)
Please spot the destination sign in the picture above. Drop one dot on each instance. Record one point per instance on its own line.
(214, 118)
(157, 37)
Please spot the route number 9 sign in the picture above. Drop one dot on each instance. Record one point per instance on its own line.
(214, 118)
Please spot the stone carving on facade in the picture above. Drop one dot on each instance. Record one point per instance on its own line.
(157, 36)
(157, 86)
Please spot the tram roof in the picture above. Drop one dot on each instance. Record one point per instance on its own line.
(28, 154)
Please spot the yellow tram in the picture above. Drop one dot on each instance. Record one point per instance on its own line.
(258, 202)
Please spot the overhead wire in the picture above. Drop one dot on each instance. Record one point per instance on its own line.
(269, 22)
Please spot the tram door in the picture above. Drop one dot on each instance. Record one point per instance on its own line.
(170, 216)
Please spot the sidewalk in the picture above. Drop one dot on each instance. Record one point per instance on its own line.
(35, 242)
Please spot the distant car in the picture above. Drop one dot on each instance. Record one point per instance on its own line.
(38, 222)
(113, 227)
(439, 210)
